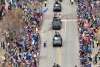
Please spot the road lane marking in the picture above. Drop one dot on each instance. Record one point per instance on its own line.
(58, 56)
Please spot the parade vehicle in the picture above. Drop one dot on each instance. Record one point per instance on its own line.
(72, 2)
(57, 7)
(56, 23)
(56, 65)
(57, 40)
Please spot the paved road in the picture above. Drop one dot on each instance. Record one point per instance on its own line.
(67, 56)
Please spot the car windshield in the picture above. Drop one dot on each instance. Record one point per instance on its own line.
(56, 4)
(56, 38)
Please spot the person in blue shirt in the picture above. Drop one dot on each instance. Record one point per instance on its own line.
(29, 56)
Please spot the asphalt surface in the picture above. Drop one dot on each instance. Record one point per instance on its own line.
(66, 56)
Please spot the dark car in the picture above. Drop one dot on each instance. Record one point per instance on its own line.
(57, 7)
(57, 40)
(56, 23)
(56, 65)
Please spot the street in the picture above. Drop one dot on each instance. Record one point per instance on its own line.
(66, 56)
(28, 33)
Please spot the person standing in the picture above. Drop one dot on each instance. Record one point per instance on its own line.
(3, 44)
(45, 3)
(45, 44)
(96, 58)
(97, 43)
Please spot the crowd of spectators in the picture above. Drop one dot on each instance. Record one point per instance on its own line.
(88, 23)
(23, 51)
